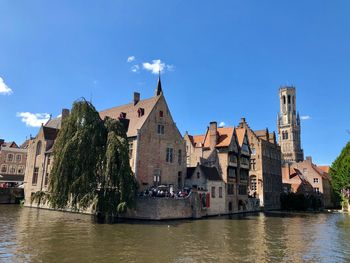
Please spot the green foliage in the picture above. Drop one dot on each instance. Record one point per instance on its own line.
(91, 164)
(340, 171)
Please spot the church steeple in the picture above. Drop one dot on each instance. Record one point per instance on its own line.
(159, 90)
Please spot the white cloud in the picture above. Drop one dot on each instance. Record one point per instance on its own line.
(306, 117)
(131, 59)
(33, 119)
(157, 66)
(222, 124)
(170, 67)
(135, 68)
(4, 89)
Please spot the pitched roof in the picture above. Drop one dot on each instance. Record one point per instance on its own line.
(240, 135)
(25, 144)
(54, 123)
(211, 173)
(224, 137)
(131, 113)
(324, 168)
(50, 133)
(197, 140)
(260, 133)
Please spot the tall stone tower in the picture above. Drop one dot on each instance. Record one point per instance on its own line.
(288, 123)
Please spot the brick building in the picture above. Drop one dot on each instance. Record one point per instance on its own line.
(307, 178)
(156, 147)
(12, 162)
(228, 150)
(265, 175)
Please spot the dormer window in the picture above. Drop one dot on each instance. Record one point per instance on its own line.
(161, 114)
(122, 115)
(140, 112)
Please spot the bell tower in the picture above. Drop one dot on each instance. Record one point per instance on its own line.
(288, 125)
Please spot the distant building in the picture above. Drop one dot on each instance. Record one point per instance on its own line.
(307, 178)
(156, 147)
(12, 162)
(226, 149)
(265, 175)
(288, 124)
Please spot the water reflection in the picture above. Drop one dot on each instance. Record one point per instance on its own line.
(31, 235)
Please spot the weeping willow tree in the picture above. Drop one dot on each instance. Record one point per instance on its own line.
(91, 164)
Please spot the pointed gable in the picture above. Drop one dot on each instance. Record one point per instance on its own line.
(131, 112)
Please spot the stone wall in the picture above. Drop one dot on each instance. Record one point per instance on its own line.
(161, 208)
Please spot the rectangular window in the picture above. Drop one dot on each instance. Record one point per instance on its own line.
(220, 192)
(161, 114)
(160, 129)
(230, 190)
(317, 190)
(169, 155)
(35, 176)
(315, 180)
(10, 157)
(156, 177)
(243, 174)
(242, 189)
(179, 157)
(232, 172)
(131, 144)
(18, 158)
(179, 180)
(213, 192)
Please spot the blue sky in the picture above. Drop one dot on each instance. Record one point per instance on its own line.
(222, 60)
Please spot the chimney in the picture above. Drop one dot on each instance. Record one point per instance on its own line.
(136, 97)
(64, 114)
(213, 134)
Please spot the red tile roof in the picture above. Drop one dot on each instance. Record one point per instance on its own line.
(240, 135)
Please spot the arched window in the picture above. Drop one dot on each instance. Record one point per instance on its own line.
(286, 135)
(284, 99)
(38, 148)
(253, 186)
(4, 168)
(18, 158)
(10, 157)
(288, 99)
(13, 169)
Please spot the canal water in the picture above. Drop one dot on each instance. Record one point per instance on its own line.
(32, 235)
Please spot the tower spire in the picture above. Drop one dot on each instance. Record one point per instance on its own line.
(159, 90)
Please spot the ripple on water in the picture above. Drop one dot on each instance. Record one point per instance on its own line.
(31, 235)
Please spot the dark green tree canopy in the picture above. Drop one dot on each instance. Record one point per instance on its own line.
(340, 171)
(91, 163)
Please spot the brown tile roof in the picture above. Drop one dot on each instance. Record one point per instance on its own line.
(131, 112)
(260, 133)
(240, 135)
(197, 140)
(324, 168)
(224, 137)
(24, 145)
